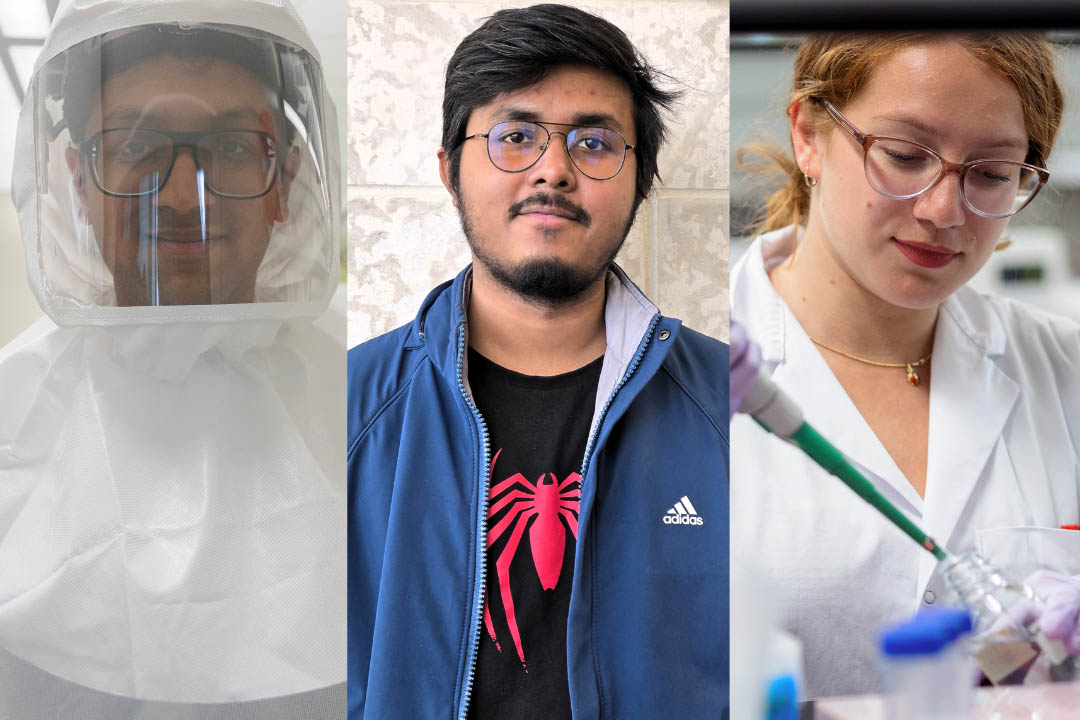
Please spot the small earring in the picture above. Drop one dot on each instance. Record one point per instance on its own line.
(810, 182)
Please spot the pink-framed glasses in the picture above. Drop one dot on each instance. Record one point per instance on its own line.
(902, 169)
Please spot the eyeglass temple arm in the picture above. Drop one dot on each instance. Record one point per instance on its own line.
(841, 120)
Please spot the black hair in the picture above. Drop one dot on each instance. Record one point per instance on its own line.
(517, 48)
(90, 64)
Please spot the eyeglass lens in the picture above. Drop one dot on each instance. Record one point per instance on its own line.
(992, 187)
(597, 152)
(136, 162)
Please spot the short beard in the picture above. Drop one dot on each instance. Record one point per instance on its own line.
(544, 281)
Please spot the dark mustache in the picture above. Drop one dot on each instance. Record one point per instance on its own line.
(543, 199)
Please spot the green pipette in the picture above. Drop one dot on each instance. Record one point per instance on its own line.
(775, 412)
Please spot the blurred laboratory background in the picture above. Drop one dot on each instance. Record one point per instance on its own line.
(23, 27)
(1041, 266)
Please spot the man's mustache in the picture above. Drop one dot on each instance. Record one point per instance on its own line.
(543, 199)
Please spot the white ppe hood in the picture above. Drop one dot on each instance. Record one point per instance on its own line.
(172, 483)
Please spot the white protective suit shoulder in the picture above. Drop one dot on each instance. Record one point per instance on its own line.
(172, 496)
(1002, 474)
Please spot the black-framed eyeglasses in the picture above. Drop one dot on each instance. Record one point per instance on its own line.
(134, 162)
(516, 145)
(903, 170)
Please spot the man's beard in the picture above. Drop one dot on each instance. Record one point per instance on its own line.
(546, 280)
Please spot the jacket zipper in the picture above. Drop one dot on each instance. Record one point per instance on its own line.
(481, 562)
(611, 398)
(481, 532)
(590, 446)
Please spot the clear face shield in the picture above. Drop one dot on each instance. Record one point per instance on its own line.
(182, 165)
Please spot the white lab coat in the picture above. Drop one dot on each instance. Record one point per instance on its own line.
(1002, 471)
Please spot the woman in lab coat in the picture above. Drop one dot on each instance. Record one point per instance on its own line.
(964, 409)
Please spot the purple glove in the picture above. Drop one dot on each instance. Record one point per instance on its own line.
(1060, 618)
(745, 363)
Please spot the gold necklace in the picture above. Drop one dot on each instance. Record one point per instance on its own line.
(912, 376)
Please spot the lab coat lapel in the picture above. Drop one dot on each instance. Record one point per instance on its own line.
(971, 399)
(827, 407)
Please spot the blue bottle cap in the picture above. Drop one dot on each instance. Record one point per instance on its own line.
(783, 699)
(956, 620)
(914, 637)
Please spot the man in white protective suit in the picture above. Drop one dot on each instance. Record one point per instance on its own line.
(172, 498)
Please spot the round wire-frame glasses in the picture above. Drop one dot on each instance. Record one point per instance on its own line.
(998, 177)
(516, 145)
(235, 164)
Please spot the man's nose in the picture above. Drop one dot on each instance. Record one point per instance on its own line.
(185, 187)
(554, 168)
(943, 203)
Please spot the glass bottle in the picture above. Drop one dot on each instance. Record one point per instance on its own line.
(1007, 644)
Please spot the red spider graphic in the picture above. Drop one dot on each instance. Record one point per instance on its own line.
(545, 501)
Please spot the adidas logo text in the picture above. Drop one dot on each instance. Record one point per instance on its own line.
(682, 520)
(683, 513)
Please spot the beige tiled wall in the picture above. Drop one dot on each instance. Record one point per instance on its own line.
(404, 235)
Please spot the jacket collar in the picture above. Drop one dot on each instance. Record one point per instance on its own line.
(628, 314)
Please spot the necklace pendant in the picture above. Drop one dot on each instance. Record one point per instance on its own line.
(912, 376)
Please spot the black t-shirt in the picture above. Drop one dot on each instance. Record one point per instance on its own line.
(538, 428)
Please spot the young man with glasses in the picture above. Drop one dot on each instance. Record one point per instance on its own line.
(538, 463)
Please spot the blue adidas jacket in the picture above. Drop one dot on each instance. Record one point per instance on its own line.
(647, 634)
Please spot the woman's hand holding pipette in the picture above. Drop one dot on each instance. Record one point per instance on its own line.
(745, 363)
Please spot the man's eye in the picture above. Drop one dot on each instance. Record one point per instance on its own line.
(131, 151)
(593, 143)
(232, 147)
(516, 137)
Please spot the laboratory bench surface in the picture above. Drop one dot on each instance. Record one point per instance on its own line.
(1053, 701)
